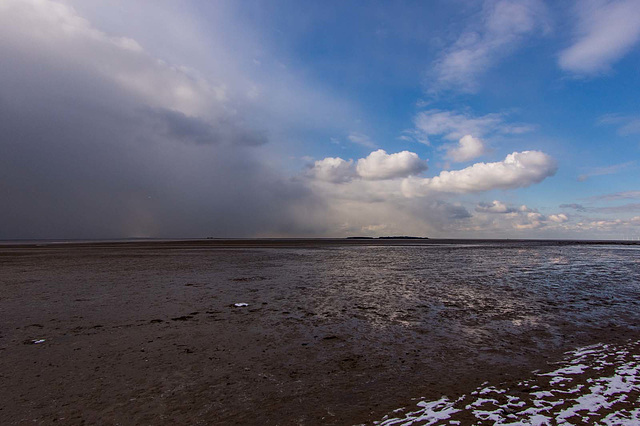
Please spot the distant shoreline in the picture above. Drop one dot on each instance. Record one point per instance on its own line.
(301, 242)
(404, 237)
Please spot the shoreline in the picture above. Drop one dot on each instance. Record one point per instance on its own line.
(301, 242)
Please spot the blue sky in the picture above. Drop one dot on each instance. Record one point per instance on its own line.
(503, 118)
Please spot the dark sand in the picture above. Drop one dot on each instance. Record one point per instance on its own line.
(336, 332)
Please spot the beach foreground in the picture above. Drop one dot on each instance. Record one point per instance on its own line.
(332, 332)
(598, 384)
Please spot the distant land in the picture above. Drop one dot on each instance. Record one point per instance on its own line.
(399, 237)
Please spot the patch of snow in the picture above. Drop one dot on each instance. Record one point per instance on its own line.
(587, 395)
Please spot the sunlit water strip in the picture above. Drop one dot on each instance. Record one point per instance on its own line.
(598, 384)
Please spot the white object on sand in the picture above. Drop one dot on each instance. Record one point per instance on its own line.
(240, 305)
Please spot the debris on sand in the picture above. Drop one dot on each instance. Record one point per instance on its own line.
(240, 305)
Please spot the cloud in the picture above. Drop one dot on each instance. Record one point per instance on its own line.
(69, 42)
(179, 133)
(383, 207)
(334, 170)
(623, 227)
(627, 124)
(517, 170)
(467, 149)
(625, 208)
(624, 195)
(495, 207)
(455, 125)
(608, 170)
(577, 207)
(363, 207)
(102, 139)
(605, 31)
(558, 218)
(500, 28)
(376, 202)
(361, 139)
(531, 223)
(454, 211)
(178, 126)
(531, 220)
(497, 215)
(380, 165)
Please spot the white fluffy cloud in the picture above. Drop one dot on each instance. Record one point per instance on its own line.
(467, 149)
(605, 32)
(376, 166)
(503, 24)
(333, 169)
(519, 169)
(558, 218)
(380, 165)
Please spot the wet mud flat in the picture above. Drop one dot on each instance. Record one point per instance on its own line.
(332, 333)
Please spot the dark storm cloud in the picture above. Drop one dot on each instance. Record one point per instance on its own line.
(89, 154)
(440, 213)
(455, 212)
(179, 126)
(84, 170)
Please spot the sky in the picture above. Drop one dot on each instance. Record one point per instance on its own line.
(281, 118)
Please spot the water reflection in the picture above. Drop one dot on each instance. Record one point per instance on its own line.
(479, 293)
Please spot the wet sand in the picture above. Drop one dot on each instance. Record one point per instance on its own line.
(335, 331)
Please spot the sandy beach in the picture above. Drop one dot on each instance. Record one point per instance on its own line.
(333, 332)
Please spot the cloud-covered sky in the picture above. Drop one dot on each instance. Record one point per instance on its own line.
(252, 118)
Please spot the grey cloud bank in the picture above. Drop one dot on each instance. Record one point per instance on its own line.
(101, 140)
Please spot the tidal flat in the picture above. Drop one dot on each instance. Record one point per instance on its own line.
(310, 332)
